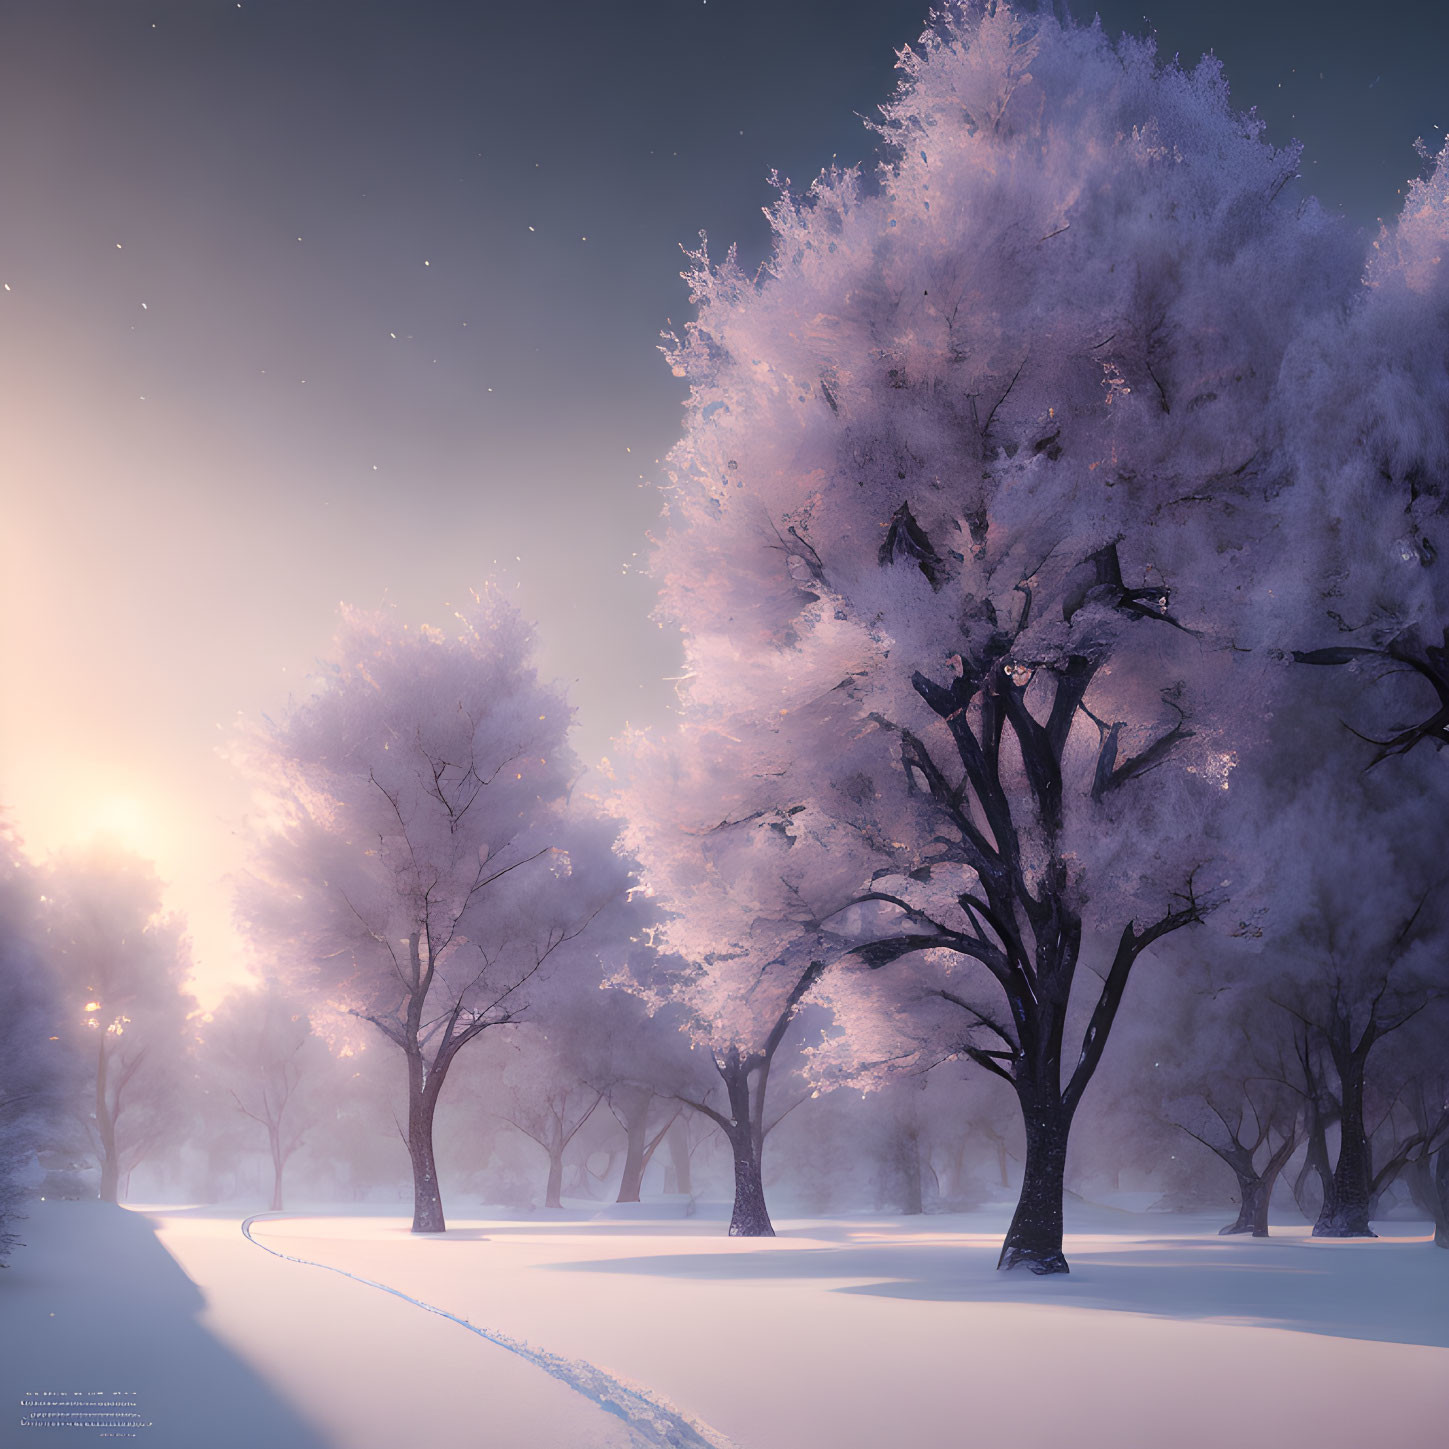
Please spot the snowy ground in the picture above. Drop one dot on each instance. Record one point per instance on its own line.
(841, 1334)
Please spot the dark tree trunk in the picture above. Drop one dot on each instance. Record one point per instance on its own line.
(1252, 1209)
(1346, 1215)
(636, 1139)
(425, 1078)
(110, 1180)
(1023, 927)
(640, 1147)
(1419, 1178)
(1255, 1189)
(553, 1195)
(106, 1132)
(955, 1190)
(1315, 1163)
(678, 1140)
(1271, 1174)
(1319, 1114)
(1253, 1195)
(277, 1164)
(1428, 1182)
(909, 1153)
(1034, 1239)
(1440, 1183)
(744, 1127)
(422, 1103)
(751, 1218)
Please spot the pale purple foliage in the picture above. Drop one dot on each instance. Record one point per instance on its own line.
(1053, 327)
(1366, 408)
(122, 964)
(422, 792)
(991, 461)
(37, 1066)
(418, 862)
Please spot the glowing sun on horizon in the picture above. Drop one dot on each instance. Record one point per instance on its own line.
(125, 820)
(88, 813)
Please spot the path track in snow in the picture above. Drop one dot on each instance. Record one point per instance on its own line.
(655, 1420)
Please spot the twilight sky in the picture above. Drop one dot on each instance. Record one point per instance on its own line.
(320, 300)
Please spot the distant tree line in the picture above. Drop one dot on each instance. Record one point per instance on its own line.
(1058, 546)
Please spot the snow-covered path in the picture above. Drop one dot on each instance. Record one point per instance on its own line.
(850, 1334)
(368, 1370)
(656, 1425)
(860, 1334)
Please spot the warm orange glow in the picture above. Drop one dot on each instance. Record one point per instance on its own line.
(127, 820)
(84, 810)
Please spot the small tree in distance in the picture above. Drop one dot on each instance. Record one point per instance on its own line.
(418, 864)
(260, 1047)
(122, 965)
(545, 1099)
(746, 878)
(38, 1065)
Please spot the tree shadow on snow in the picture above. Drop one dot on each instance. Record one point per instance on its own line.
(93, 1305)
(1386, 1291)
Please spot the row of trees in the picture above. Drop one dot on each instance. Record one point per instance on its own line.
(600, 1086)
(1008, 502)
(1045, 507)
(93, 1016)
(598, 1089)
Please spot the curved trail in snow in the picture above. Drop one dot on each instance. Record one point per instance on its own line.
(655, 1420)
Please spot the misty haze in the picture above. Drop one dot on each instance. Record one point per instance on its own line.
(862, 860)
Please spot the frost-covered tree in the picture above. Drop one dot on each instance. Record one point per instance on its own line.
(259, 1047)
(991, 443)
(1427, 1163)
(545, 1098)
(1410, 1114)
(123, 965)
(1310, 1076)
(1366, 405)
(417, 862)
(221, 1140)
(1371, 985)
(1211, 1054)
(640, 1059)
(36, 1063)
(1359, 942)
(1367, 421)
(646, 1119)
(351, 1152)
(984, 1136)
(746, 875)
(1241, 1108)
